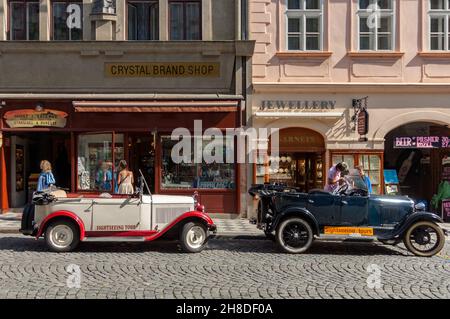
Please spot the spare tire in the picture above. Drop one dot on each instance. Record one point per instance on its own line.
(26, 226)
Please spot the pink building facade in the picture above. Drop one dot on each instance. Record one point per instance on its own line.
(315, 63)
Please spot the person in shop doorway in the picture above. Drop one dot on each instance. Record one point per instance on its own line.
(334, 178)
(125, 179)
(104, 177)
(365, 178)
(46, 178)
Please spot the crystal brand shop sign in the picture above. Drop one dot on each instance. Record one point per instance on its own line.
(422, 142)
(297, 105)
(27, 118)
(163, 69)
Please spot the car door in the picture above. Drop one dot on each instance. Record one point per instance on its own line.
(324, 207)
(116, 214)
(353, 210)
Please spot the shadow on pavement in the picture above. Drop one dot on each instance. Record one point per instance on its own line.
(28, 244)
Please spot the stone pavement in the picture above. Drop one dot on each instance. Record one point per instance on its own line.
(225, 269)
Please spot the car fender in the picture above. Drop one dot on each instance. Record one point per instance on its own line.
(188, 215)
(61, 213)
(400, 230)
(297, 212)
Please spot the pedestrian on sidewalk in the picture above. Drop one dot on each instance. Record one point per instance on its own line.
(46, 178)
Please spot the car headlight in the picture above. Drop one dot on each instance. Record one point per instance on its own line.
(419, 207)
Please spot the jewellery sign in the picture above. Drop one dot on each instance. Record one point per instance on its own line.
(422, 142)
(28, 118)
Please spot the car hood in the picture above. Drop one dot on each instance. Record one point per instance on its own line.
(388, 199)
(168, 199)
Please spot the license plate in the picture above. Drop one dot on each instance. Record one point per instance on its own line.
(363, 231)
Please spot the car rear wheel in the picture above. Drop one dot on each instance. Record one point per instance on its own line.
(193, 237)
(424, 239)
(62, 236)
(294, 235)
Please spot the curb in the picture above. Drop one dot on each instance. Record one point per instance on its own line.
(9, 231)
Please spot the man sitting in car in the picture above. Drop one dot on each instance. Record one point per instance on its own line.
(334, 178)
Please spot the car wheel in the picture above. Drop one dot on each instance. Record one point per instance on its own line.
(424, 239)
(62, 236)
(294, 235)
(193, 237)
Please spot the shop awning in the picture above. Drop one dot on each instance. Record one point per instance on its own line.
(155, 106)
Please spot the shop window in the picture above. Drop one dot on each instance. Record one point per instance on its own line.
(24, 20)
(439, 25)
(95, 169)
(185, 20)
(143, 20)
(376, 22)
(304, 25)
(67, 20)
(371, 164)
(195, 175)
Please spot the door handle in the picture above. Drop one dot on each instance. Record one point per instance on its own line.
(344, 202)
(310, 201)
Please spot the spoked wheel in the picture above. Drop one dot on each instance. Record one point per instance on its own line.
(193, 237)
(294, 235)
(62, 236)
(424, 239)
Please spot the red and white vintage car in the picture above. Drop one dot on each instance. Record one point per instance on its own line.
(65, 220)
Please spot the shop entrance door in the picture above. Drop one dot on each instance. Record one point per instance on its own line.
(27, 151)
(141, 156)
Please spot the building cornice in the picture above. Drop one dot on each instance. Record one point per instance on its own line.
(318, 87)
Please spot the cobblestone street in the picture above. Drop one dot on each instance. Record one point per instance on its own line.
(229, 268)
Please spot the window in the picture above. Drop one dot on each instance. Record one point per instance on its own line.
(304, 25)
(371, 164)
(185, 20)
(376, 22)
(67, 20)
(143, 20)
(192, 175)
(439, 24)
(24, 20)
(95, 169)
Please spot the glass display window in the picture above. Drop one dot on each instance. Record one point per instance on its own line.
(190, 175)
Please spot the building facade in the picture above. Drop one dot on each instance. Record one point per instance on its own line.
(361, 81)
(86, 84)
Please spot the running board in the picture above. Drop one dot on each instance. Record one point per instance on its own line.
(346, 238)
(114, 239)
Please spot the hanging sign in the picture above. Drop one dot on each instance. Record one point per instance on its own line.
(363, 122)
(27, 118)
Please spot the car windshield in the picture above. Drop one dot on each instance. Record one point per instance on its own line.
(355, 181)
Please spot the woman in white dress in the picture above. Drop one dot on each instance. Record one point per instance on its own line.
(125, 180)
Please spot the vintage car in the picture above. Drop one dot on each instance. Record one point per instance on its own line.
(67, 219)
(293, 219)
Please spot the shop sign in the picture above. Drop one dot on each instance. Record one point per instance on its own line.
(297, 105)
(27, 118)
(446, 209)
(363, 122)
(162, 69)
(422, 142)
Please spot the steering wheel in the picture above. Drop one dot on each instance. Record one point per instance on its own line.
(341, 189)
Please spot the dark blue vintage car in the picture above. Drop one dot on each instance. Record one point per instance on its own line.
(294, 219)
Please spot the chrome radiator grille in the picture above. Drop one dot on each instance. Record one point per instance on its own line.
(167, 213)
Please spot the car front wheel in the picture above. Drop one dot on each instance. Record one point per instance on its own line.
(424, 239)
(294, 235)
(62, 236)
(193, 237)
